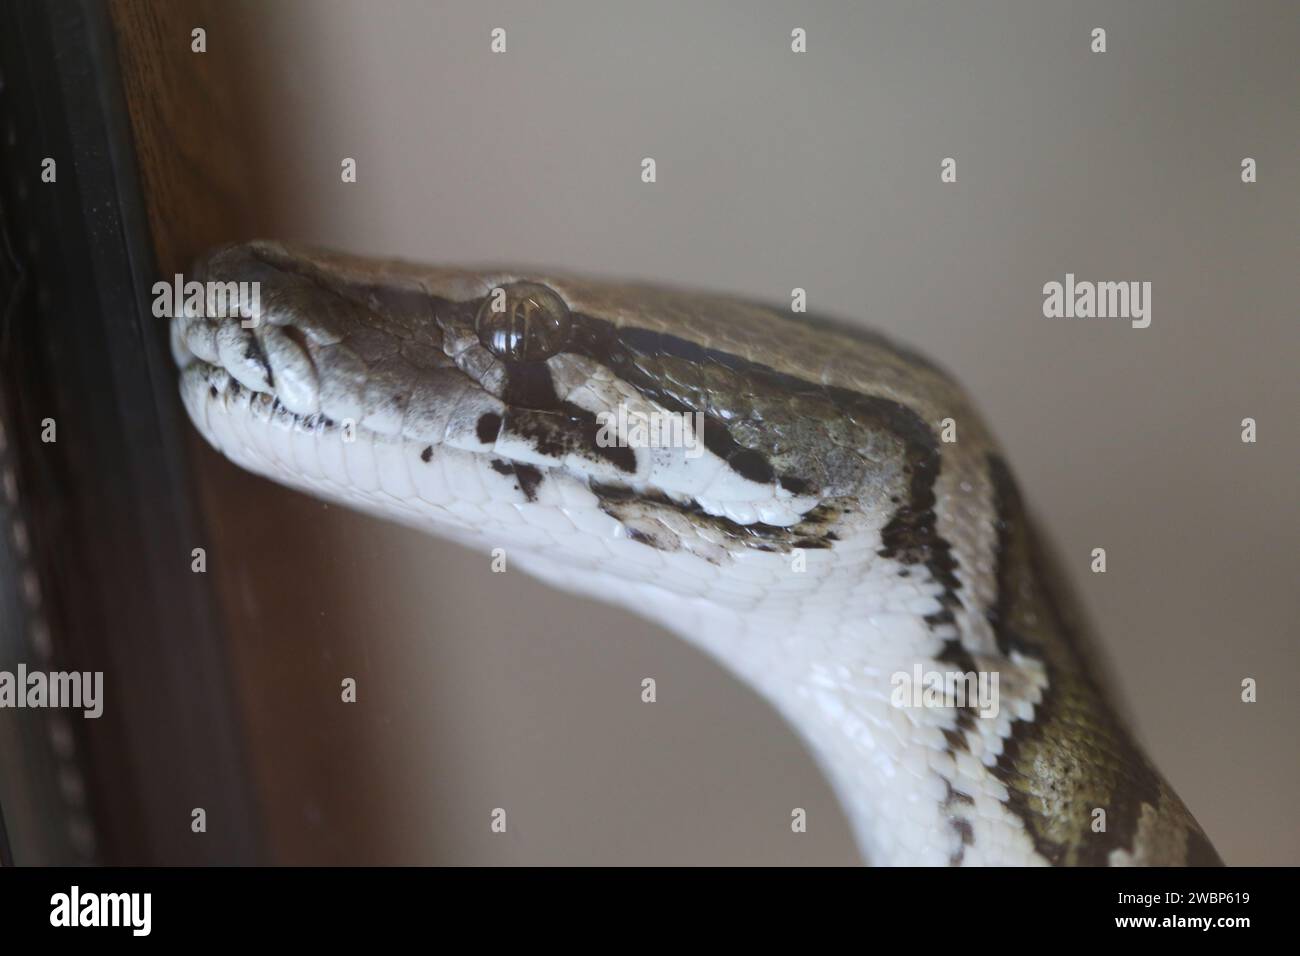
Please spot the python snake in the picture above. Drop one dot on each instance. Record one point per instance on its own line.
(842, 533)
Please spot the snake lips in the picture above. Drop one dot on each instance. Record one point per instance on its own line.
(848, 518)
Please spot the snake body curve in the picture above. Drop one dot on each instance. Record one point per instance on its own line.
(843, 533)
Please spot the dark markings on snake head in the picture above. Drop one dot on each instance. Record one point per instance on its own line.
(811, 533)
(796, 486)
(758, 440)
(527, 478)
(554, 427)
(620, 349)
(747, 463)
(427, 454)
(489, 426)
(570, 429)
(529, 385)
(661, 540)
(910, 537)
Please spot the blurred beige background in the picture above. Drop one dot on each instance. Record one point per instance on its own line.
(778, 170)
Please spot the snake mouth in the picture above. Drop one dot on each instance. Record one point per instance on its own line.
(207, 387)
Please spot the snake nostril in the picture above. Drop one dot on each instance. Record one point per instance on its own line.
(298, 337)
(523, 322)
(297, 379)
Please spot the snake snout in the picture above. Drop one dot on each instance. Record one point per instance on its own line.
(319, 336)
(266, 325)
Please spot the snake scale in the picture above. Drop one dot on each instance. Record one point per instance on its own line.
(842, 524)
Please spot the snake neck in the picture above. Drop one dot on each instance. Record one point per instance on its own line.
(877, 706)
(955, 728)
(943, 756)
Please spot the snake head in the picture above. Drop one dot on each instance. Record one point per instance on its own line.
(682, 435)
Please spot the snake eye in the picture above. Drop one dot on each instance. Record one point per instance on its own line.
(523, 322)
